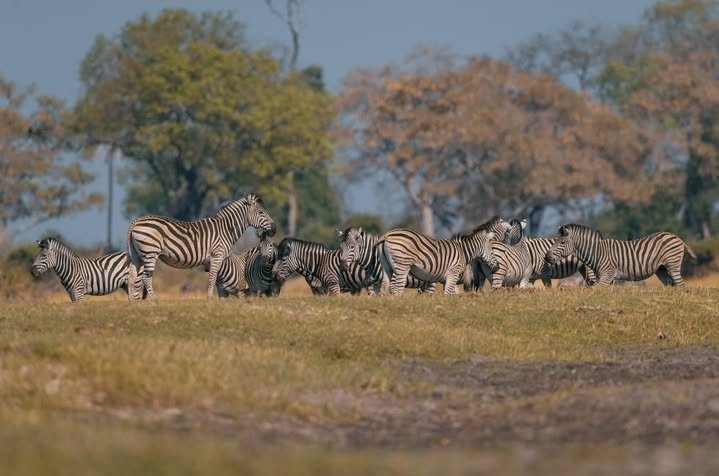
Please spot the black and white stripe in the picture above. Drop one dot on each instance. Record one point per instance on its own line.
(611, 260)
(359, 247)
(405, 251)
(82, 276)
(541, 269)
(316, 263)
(231, 276)
(260, 261)
(184, 244)
(514, 262)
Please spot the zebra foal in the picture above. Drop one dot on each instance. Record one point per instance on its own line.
(83, 276)
(249, 273)
(321, 267)
(612, 260)
(259, 275)
(183, 244)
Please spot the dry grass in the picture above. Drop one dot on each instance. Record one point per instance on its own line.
(124, 388)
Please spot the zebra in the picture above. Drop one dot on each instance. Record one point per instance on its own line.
(259, 276)
(612, 260)
(360, 247)
(477, 271)
(83, 276)
(319, 265)
(231, 276)
(183, 244)
(404, 251)
(541, 269)
(514, 262)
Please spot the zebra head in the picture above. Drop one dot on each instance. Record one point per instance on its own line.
(353, 241)
(515, 232)
(268, 250)
(484, 252)
(563, 246)
(257, 216)
(286, 261)
(46, 258)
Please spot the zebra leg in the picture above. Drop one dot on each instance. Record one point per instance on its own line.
(148, 268)
(590, 277)
(427, 288)
(399, 278)
(498, 278)
(670, 277)
(451, 279)
(215, 263)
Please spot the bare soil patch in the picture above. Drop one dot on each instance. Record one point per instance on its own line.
(648, 397)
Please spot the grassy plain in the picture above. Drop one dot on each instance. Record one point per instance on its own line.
(575, 381)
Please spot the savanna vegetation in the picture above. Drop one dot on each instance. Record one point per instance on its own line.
(499, 382)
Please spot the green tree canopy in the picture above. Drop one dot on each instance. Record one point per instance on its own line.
(198, 113)
(36, 182)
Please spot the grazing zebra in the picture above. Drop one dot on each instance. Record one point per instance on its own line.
(621, 260)
(183, 244)
(541, 269)
(81, 276)
(359, 247)
(258, 270)
(316, 263)
(231, 276)
(405, 251)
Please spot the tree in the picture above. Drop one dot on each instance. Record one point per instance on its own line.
(671, 85)
(578, 53)
(467, 141)
(36, 182)
(293, 19)
(198, 114)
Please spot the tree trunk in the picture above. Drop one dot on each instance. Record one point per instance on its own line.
(293, 206)
(706, 232)
(110, 193)
(427, 220)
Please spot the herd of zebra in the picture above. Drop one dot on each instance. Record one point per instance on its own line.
(498, 251)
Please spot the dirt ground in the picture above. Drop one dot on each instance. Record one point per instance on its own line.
(653, 397)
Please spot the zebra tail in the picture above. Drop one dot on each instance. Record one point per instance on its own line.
(135, 285)
(691, 253)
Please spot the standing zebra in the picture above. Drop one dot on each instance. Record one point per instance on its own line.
(405, 251)
(541, 269)
(81, 276)
(359, 247)
(183, 244)
(231, 276)
(260, 261)
(477, 270)
(621, 260)
(317, 262)
(514, 262)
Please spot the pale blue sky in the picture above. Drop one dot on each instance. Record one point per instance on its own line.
(44, 42)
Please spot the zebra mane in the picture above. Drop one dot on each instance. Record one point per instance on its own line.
(58, 246)
(565, 230)
(245, 199)
(488, 225)
(286, 242)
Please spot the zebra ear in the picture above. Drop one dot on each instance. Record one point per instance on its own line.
(359, 229)
(340, 233)
(562, 231)
(523, 224)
